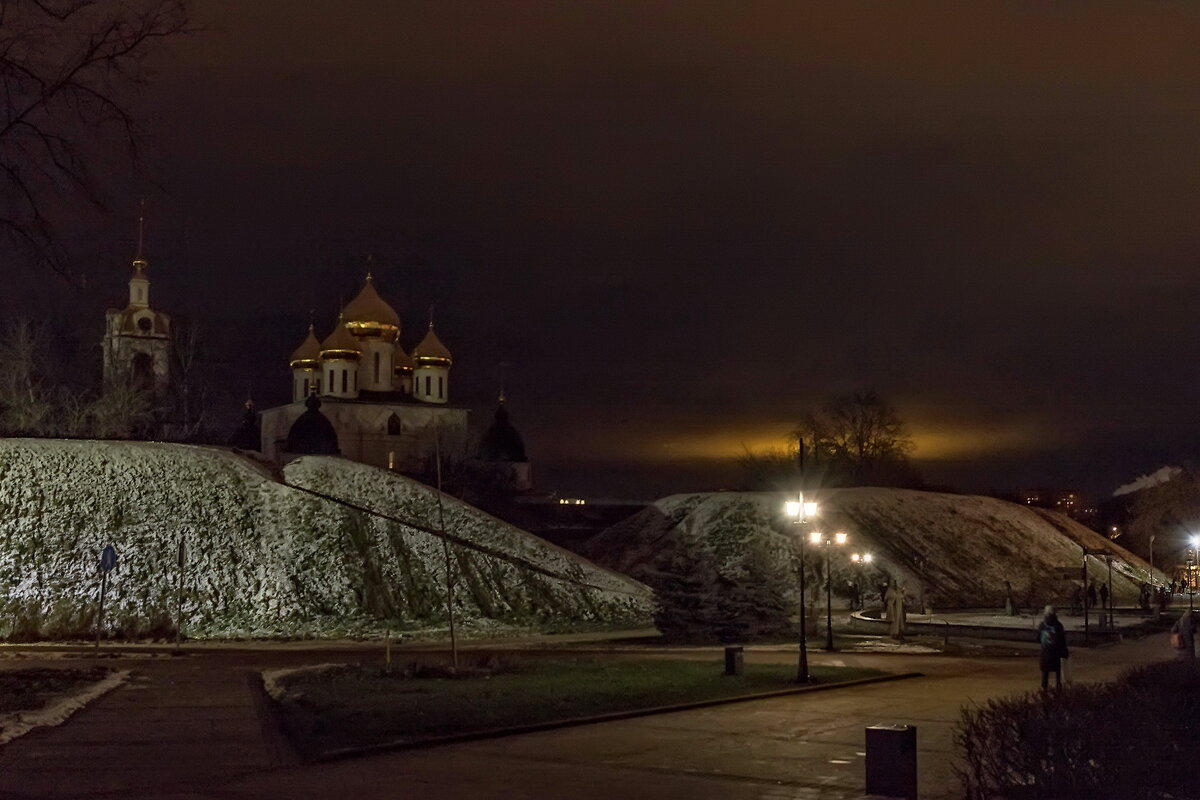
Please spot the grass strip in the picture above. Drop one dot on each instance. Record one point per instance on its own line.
(362, 706)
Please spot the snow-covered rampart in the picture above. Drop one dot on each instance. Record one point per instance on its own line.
(263, 558)
(949, 550)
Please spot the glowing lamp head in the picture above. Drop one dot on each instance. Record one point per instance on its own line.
(867, 558)
(1195, 541)
(793, 508)
(810, 509)
(815, 537)
(855, 557)
(840, 537)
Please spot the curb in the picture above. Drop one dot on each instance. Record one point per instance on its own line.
(496, 733)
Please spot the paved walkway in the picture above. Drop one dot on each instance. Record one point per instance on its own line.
(196, 728)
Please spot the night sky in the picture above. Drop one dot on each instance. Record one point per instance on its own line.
(684, 223)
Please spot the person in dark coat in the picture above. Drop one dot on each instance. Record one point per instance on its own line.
(1053, 639)
(1091, 595)
(1185, 626)
(1104, 595)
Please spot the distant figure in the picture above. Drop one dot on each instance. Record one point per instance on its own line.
(855, 596)
(1053, 640)
(1091, 594)
(1077, 600)
(1183, 634)
(883, 590)
(1172, 587)
(1144, 597)
(1163, 597)
(897, 616)
(1010, 605)
(1104, 595)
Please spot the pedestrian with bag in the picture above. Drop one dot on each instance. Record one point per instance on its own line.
(1183, 636)
(1053, 639)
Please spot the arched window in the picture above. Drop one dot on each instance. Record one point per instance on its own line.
(142, 369)
(393, 425)
(441, 388)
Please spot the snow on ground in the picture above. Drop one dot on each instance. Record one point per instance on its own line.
(56, 713)
(264, 558)
(950, 551)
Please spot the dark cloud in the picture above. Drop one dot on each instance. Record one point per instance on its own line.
(687, 221)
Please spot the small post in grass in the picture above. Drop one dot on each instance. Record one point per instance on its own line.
(735, 661)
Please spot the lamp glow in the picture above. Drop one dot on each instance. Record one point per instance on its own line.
(810, 509)
(815, 537)
(840, 537)
(793, 508)
(868, 558)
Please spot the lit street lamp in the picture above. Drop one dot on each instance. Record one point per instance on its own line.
(819, 539)
(800, 513)
(1191, 573)
(859, 560)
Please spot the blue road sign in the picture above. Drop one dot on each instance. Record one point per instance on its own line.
(108, 559)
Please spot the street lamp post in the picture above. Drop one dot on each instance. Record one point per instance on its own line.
(800, 513)
(822, 541)
(1191, 575)
(860, 560)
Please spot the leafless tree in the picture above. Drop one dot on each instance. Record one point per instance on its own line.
(858, 437)
(67, 68)
(26, 404)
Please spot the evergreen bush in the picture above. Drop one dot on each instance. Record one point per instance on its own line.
(1136, 738)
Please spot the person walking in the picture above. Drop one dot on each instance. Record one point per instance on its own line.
(1077, 601)
(1183, 636)
(1053, 640)
(1091, 595)
(1104, 595)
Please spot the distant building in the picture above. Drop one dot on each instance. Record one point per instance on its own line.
(1065, 501)
(387, 408)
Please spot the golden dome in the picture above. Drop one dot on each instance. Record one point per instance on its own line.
(308, 353)
(401, 361)
(431, 352)
(368, 315)
(341, 343)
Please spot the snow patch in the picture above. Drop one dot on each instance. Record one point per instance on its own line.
(22, 722)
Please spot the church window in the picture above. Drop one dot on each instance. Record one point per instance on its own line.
(354, 382)
(377, 357)
(428, 393)
(345, 380)
(393, 426)
(143, 371)
(391, 459)
(307, 384)
(441, 388)
(144, 324)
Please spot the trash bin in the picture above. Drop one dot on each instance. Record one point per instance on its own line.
(734, 660)
(892, 761)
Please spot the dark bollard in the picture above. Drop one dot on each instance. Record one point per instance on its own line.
(734, 657)
(892, 761)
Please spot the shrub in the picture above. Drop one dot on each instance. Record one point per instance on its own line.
(1130, 739)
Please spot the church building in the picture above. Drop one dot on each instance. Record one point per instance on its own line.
(358, 393)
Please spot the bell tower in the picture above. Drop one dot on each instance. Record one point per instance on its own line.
(137, 339)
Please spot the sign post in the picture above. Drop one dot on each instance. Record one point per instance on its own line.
(179, 594)
(108, 560)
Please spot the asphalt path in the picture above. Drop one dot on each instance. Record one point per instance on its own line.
(197, 726)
